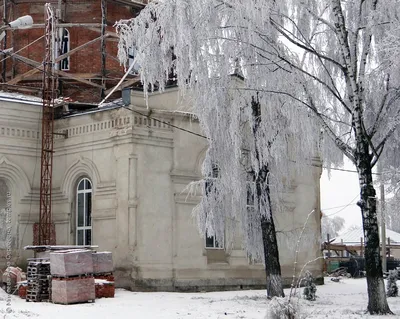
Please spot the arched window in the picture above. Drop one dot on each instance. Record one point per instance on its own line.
(211, 241)
(64, 48)
(84, 212)
(4, 205)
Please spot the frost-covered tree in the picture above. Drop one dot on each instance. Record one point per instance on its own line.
(331, 226)
(256, 139)
(335, 58)
(349, 78)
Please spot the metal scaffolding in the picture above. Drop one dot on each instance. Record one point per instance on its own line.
(46, 234)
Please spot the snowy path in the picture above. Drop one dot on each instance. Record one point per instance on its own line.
(347, 299)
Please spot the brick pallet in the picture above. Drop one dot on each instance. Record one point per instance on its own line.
(38, 281)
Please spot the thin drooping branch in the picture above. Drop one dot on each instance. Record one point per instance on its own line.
(290, 37)
(308, 48)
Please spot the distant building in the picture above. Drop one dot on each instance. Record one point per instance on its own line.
(353, 240)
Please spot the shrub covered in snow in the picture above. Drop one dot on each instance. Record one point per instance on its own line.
(283, 308)
(392, 289)
(309, 287)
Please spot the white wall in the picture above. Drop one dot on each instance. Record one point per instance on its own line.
(140, 212)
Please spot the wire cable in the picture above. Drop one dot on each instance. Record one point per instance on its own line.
(166, 123)
(340, 210)
(324, 209)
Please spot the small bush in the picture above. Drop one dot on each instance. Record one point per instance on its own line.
(310, 289)
(392, 289)
(282, 308)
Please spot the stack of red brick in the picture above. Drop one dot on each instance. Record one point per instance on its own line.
(22, 290)
(79, 275)
(104, 279)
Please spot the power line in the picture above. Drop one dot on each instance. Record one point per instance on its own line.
(166, 123)
(340, 210)
(336, 207)
(341, 169)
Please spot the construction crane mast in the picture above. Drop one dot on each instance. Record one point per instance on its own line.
(45, 229)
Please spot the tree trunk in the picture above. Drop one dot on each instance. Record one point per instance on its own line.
(271, 258)
(377, 303)
(270, 242)
(264, 207)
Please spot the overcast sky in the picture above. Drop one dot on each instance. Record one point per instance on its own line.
(340, 190)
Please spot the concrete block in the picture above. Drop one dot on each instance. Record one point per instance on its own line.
(102, 262)
(72, 290)
(68, 263)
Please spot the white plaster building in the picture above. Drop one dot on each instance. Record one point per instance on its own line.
(118, 182)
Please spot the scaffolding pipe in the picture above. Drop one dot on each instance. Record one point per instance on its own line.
(46, 231)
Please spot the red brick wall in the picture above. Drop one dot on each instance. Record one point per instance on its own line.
(87, 60)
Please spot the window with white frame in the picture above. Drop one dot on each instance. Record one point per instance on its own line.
(250, 201)
(211, 241)
(84, 212)
(64, 48)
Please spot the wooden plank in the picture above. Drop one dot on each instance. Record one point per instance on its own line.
(78, 79)
(124, 85)
(38, 77)
(60, 73)
(25, 60)
(70, 52)
(24, 76)
(61, 57)
(110, 33)
(67, 25)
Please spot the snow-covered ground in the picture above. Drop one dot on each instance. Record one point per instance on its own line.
(347, 299)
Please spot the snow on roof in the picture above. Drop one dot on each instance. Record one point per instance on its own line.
(353, 236)
(118, 103)
(20, 98)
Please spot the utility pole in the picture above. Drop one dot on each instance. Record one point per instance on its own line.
(383, 216)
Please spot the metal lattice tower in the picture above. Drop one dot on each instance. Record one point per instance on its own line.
(46, 233)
